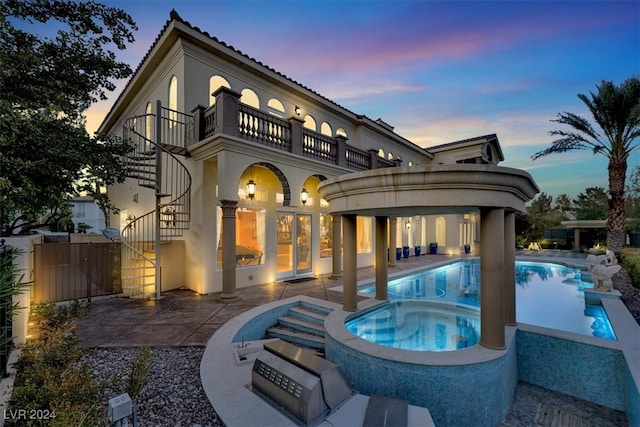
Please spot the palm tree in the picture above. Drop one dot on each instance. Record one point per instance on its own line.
(616, 110)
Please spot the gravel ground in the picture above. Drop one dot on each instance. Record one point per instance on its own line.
(173, 394)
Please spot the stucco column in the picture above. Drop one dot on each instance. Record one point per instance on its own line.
(336, 250)
(229, 249)
(350, 265)
(492, 278)
(510, 269)
(381, 258)
(393, 231)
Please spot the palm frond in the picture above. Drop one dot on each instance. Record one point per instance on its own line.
(615, 110)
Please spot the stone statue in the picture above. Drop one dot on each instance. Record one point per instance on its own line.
(602, 268)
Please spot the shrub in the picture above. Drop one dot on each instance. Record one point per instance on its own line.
(630, 260)
(48, 379)
(139, 373)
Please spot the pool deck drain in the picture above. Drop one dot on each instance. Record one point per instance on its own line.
(552, 416)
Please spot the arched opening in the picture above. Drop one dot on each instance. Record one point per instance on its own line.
(215, 83)
(173, 100)
(310, 123)
(325, 129)
(276, 108)
(250, 98)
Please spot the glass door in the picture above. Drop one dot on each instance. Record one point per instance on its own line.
(303, 244)
(294, 245)
(285, 244)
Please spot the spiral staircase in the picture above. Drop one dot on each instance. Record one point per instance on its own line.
(158, 139)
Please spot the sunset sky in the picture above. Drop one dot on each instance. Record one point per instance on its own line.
(438, 71)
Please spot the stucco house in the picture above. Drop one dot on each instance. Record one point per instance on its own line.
(228, 156)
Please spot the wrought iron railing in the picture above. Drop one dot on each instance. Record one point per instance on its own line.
(153, 162)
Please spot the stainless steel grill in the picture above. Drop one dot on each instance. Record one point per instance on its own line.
(302, 385)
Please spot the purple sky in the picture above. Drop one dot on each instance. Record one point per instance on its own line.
(438, 71)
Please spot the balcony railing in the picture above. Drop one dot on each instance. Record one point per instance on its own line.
(230, 117)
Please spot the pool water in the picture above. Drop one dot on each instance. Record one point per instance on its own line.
(419, 325)
(548, 295)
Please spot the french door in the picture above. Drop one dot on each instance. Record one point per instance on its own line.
(294, 233)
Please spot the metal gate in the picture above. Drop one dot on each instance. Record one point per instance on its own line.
(68, 271)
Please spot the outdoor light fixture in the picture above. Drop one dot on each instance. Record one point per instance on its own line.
(304, 196)
(297, 110)
(251, 189)
(251, 185)
(408, 224)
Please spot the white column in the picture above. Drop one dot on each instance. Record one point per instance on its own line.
(229, 249)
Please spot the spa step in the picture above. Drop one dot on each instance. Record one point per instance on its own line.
(296, 337)
(299, 324)
(308, 313)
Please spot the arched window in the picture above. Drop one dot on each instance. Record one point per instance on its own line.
(275, 108)
(441, 231)
(381, 153)
(148, 125)
(173, 93)
(342, 132)
(173, 101)
(390, 156)
(250, 98)
(325, 129)
(310, 123)
(215, 83)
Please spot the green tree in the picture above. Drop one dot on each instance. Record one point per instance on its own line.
(563, 206)
(47, 82)
(616, 111)
(591, 204)
(541, 215)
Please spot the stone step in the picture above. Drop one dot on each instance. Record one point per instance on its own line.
(309, 314)
(299, 324)
(296, 337)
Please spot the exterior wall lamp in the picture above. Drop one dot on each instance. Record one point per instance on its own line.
(251, 189)
(304, 196)
(297, 110)
(251, 185)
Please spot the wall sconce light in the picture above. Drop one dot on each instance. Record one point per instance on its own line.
(135, 198)
(304, 196)
(251, 185)
(251, 189)
(407, 224)
(297, 110)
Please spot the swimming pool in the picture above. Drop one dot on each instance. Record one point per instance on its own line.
(547, 295)
(419, 325)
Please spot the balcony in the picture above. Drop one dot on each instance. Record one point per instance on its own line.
(228, 116)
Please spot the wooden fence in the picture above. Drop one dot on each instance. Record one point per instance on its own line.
(68, 271)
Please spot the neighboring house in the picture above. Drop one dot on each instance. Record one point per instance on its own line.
(85, 211)
(240, 151)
